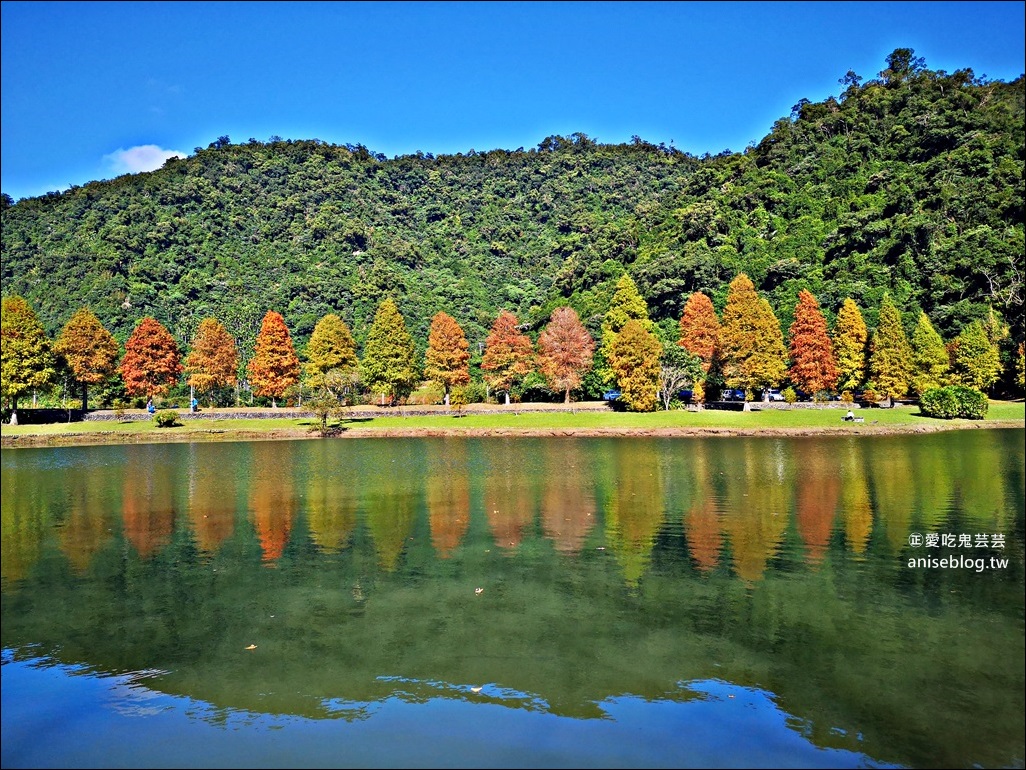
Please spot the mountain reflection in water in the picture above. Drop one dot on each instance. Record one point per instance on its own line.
(578, 602)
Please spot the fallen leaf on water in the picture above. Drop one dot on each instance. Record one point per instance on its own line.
(251, 647)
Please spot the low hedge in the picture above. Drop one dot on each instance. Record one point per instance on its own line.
(954, 401)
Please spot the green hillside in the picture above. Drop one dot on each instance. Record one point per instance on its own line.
(910, 182)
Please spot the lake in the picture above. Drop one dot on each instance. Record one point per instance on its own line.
(516, 602)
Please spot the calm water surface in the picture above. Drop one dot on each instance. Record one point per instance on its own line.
(725, 602)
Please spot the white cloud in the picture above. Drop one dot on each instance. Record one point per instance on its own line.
(145, 157)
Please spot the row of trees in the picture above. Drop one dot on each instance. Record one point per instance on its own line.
(153, 363)
(744, 348)
(747, 350)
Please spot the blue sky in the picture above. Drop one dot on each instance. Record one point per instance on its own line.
(92, 90)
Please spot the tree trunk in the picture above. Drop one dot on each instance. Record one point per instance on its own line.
(566, 398)
(14, 411)
(85, 396)
(507, 398)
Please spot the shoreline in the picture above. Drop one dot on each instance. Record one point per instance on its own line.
(184, 435)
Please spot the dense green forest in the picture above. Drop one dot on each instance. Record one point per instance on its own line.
(910, 183)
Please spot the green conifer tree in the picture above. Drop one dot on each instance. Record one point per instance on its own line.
(929, 356)
(389, 360)
(975, 362)
(890, 356)
(627, 304)
(330, 349)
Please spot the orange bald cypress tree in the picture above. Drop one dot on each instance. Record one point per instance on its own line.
(700, 336)
(275, 365)
(813, 367)
(213, 361)
(91, 351)
(447, 359)
(152, 362)
(700, 329)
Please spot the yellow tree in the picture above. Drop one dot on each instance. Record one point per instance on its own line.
(850, 340)
(91, 351)
(634, 358)
(751, 342)
(975, 361)
(447, 359)
(565, 351)
(389, 363)
(27, 361)
(213, 361)
(275, 365)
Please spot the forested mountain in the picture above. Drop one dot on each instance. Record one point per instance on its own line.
(909, 183)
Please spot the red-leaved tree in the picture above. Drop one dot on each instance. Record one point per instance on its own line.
(565, 351)
(508, 354)
(152, 362)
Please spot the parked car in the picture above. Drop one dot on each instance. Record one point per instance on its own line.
(687, 396)
(611, 395)
(732, 394)
(772, 394)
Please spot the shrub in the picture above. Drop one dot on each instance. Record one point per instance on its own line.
(790, 395)
(954, 401)
(475, 393)
(847, 397)
(458, 399)
(938, 402)
(166, 418)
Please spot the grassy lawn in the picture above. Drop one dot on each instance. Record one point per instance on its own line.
(772, 420)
